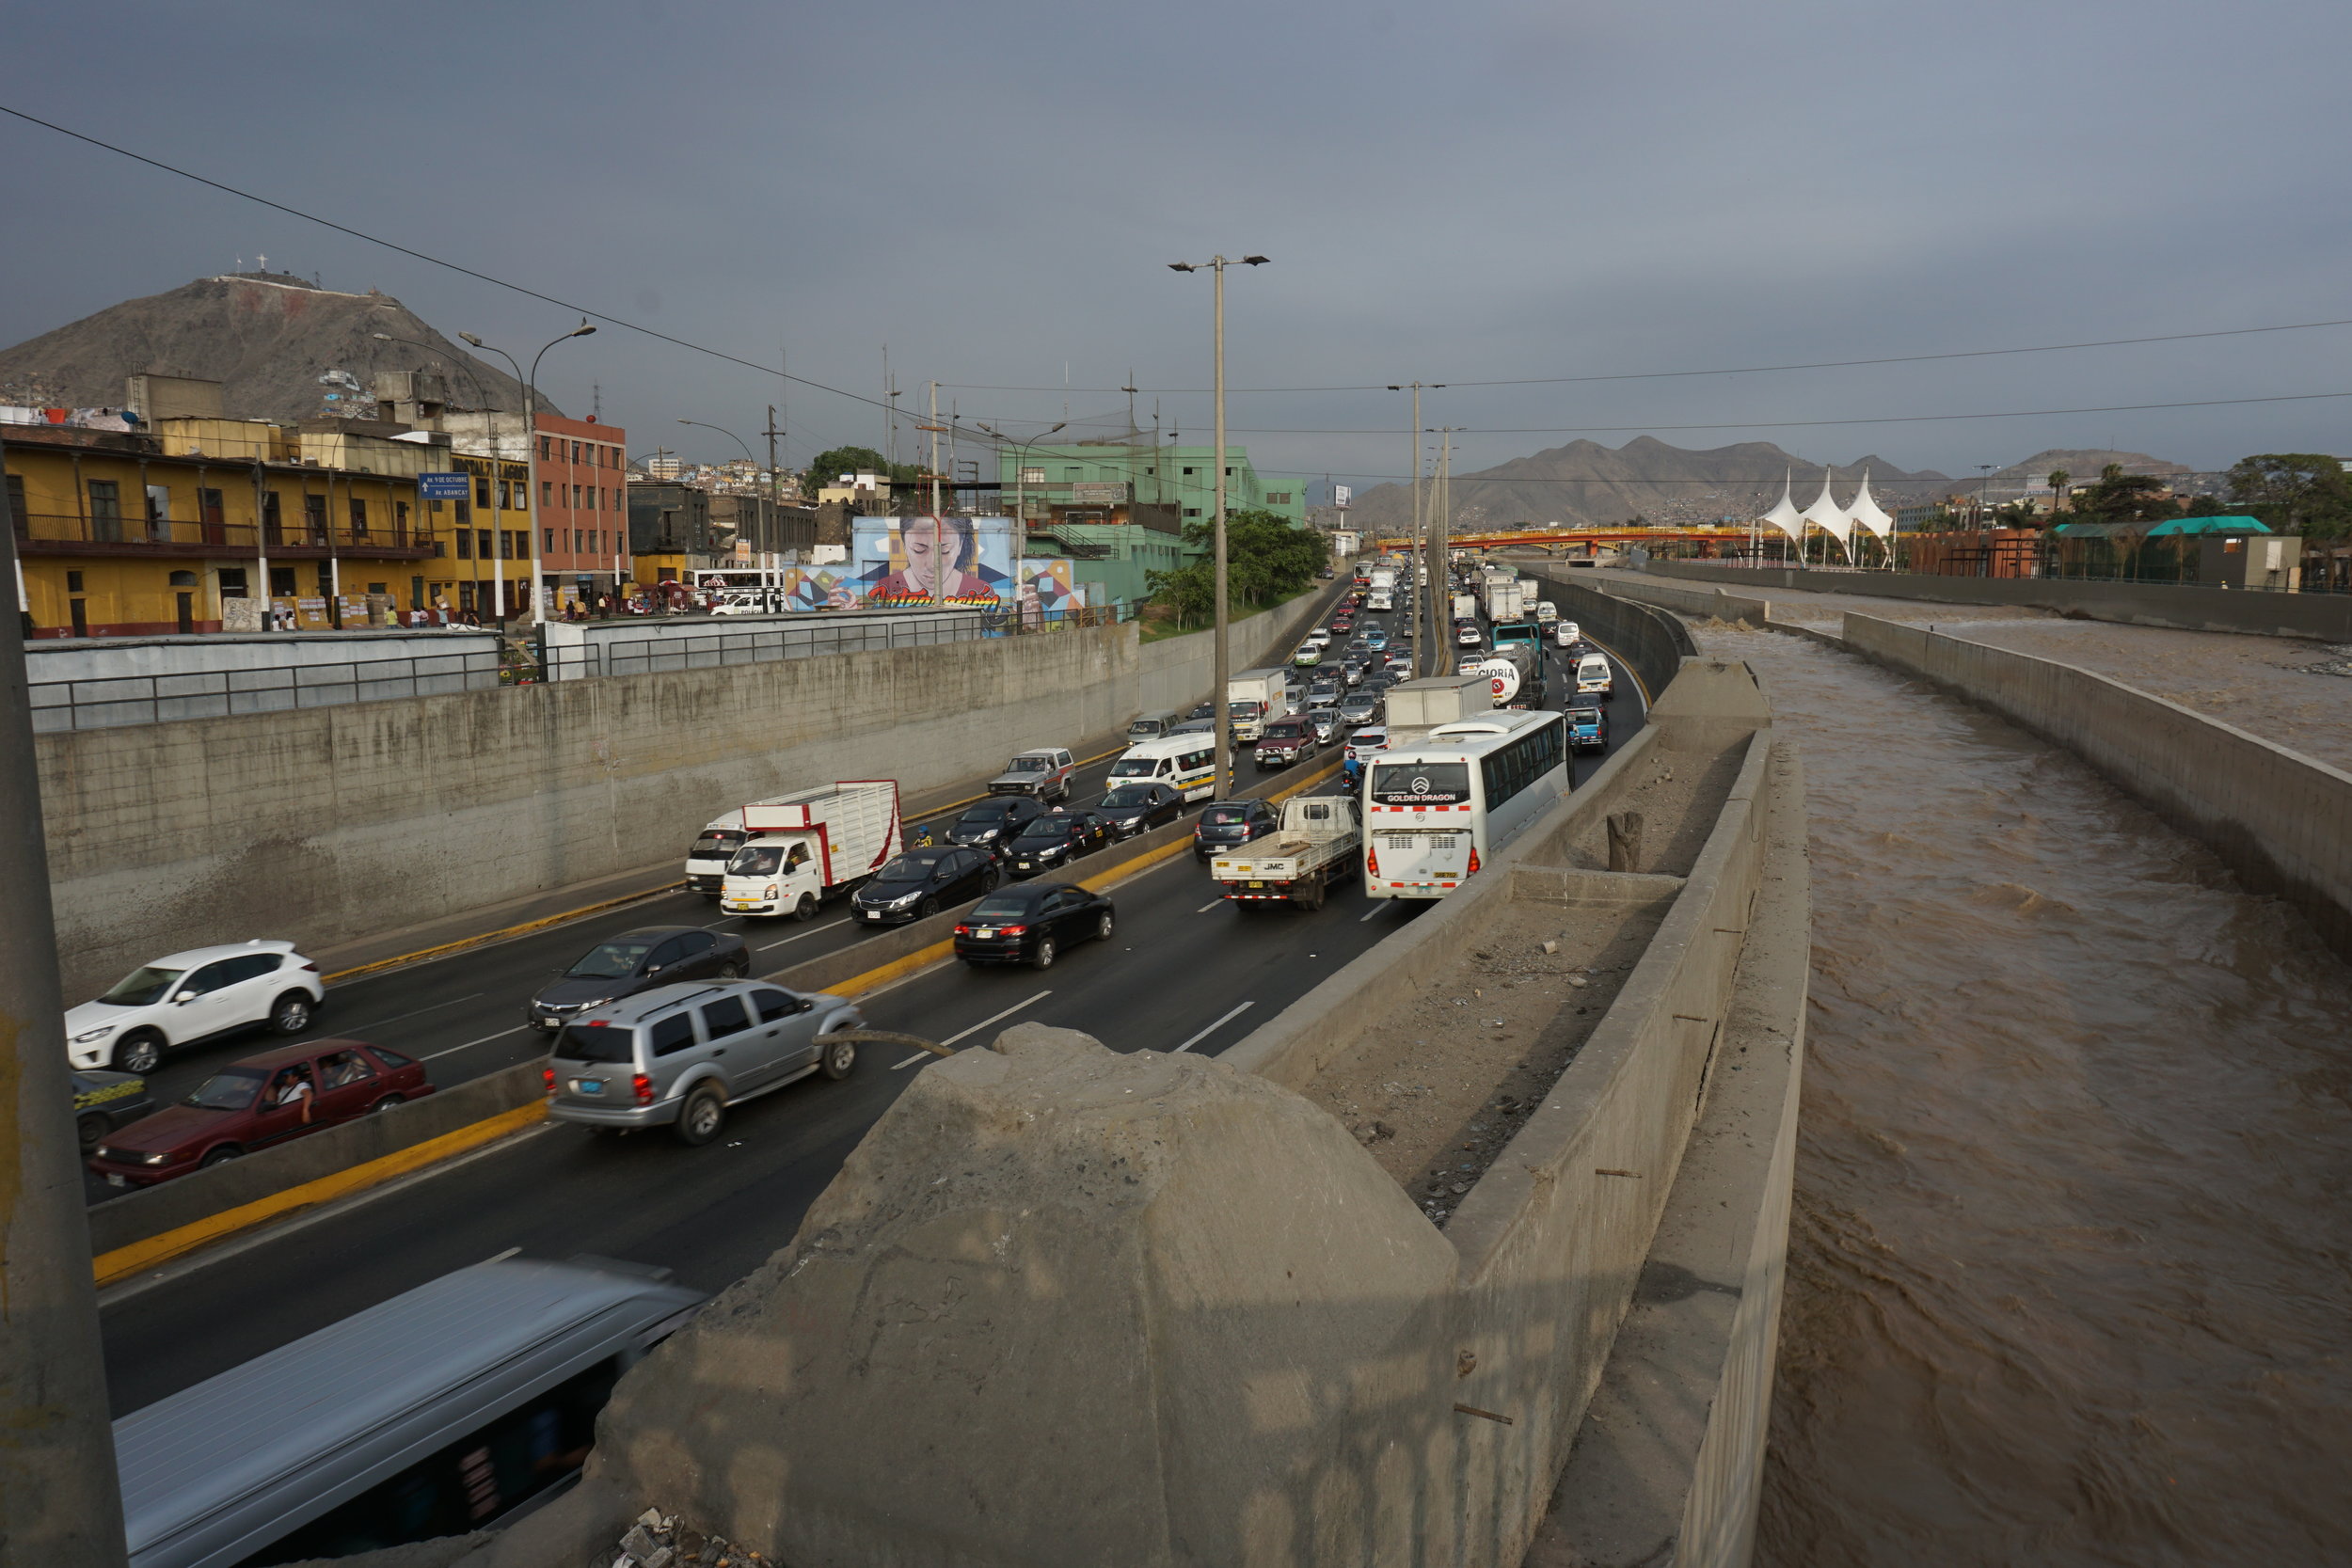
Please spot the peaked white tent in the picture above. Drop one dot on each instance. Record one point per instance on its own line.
(1784, 514)
(1831, 518)
(1868, 512)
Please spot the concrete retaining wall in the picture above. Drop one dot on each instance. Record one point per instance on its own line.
(2278, 818)
(1705, 604)
(2328, 616)
(1653, 643)
(1177, 672)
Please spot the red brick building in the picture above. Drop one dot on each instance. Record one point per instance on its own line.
(582, 472)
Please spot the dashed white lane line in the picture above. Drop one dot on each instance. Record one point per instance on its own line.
(485, 1039)
(961, 1034)
(803, 935)
(1380, 906)
(397, 1017)
(1214, 903)
(1215, 1027)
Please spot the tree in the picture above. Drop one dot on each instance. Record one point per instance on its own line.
(2058, 478)
(2121, 497)
(827, 467)
(1267, 561)
(2295, 492)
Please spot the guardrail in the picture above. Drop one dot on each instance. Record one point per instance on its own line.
(107, 702)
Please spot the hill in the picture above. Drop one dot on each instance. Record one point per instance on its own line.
(282, 348)
(1586, 483)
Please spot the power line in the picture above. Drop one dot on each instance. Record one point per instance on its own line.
(434, 260)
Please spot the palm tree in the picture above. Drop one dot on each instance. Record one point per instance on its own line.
(2057, 487)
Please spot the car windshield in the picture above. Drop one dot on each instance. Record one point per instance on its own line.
(756, 860)
(1245, 710)
(229, 1089)
(1284, 731)
(1119, 798)
(908, 868)
(716, 845)
(1404, 784)
(1027, 765)
(611, 961)
(1004, 907)
(141, 987)
(1044, 829)
(594, 1042)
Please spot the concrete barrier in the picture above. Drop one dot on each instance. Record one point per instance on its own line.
(1653, 642)
(2276, 817)
(1705, 604)
(2325, 616)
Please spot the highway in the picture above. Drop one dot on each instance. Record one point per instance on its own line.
(1185, 971)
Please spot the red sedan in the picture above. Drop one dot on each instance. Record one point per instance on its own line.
(264, 1100)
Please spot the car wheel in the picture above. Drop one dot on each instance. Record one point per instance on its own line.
(840, 1057)
(220, 1156)
(91, 1128)
(140, 1051)
(700, 1118)
(291, 1013)
(386, 1104)
(990, 880)
(806, 909)
(734, 969)
(1104, 926)
(927, 909)
(1044, 959)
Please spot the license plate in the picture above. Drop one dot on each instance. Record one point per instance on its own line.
(873, 914)
(727, 904)
(1257, 884)
(984, 930)
(114, 1180)
(588, 1085)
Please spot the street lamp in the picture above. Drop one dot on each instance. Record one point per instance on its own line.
(1221, 707)
(1020, 496)
(1425, 658)
(531, 460)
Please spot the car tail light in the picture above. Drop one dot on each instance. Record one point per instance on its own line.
(964, 930)
(642, 1086)
(1473, 869)
(1013, 930)
(312, 967)
(548, 1075)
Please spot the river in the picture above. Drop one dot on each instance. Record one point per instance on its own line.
(2070, 1278)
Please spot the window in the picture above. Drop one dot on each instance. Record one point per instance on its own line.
(1278, 498)
(481, 492)
(183, 580)
(773, 1005)
(725, 1017)
(544, 447)
(673, 1035)
(575, 452)
(463, 513)
(550, 545)
(358, 518)
(73, 582)
(575, 497)
(106, 510)
(1032, 476)
(547, 493)
(340, 1070)
(1192, 512)
(399, 519)
(507, 498)
(314, 517)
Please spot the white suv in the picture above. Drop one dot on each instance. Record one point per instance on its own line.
(193, 996)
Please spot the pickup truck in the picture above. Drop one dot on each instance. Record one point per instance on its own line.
(1321, 839)
(1588, 729)
(1043, 773)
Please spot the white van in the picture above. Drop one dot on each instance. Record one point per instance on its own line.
(1593, 677)
(1186, 763)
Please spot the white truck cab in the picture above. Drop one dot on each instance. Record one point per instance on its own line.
(800, 849)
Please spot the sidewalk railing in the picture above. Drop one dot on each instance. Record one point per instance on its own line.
(106, 702)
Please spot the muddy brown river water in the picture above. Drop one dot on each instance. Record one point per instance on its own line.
(2069, 1279)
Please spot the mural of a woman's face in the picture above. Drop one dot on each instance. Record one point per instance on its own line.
(920, 540)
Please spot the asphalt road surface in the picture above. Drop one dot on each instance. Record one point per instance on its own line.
(1185, 971)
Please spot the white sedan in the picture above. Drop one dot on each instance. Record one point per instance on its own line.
(192, 996)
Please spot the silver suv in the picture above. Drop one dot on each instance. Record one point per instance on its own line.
(679, 1055)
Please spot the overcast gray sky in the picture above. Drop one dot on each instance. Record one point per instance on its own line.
(1475, 192)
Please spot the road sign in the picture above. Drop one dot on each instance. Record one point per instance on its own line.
(445, 487)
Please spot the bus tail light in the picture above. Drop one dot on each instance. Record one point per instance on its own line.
(1473, 869)
(1372, 860)
(642, 1088)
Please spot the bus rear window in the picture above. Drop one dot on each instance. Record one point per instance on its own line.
(1407, 784)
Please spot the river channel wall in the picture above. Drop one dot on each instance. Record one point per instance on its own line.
(322, 825)
(1655, 645)
(1705, 604)
(2326, 616)
(2278, 818)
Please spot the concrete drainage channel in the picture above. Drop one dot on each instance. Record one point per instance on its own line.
(145, 1229)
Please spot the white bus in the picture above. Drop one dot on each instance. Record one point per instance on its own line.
(1186, 763)
(1436, 811)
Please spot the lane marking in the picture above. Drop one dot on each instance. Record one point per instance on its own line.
(506, 933)
(1210, 905)
(124, 1260)
(398, 1017)
(1378, 906)
(810, 932)
(927, 1056)
(1215, 1027)
(470, 1044)
(503, 1257)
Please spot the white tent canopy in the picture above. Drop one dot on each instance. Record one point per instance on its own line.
(1831, 518)
(1784, 514)
(1868, 512)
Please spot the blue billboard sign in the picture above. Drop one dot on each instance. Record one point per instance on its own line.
(444, 487)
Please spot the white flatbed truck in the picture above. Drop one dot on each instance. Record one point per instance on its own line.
(1320, 841)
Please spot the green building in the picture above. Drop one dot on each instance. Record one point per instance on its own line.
(1117, 507)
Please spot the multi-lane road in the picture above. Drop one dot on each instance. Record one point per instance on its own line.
(1185, 972)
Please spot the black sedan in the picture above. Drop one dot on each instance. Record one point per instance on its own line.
(634, 961)
(921, 883)
(1032, 924)
(105, 1101)
(1226, 823)
(991, 824)
(1054, 840)
(1133, 808)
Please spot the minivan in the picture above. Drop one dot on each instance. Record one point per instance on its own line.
(1150, 727)
(679, 1056)
(1186, 763)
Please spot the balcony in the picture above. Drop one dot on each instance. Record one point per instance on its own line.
(155, 538)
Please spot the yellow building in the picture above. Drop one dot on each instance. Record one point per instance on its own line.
(183, 527)
(486, 561)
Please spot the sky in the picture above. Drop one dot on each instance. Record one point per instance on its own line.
(1489, 191)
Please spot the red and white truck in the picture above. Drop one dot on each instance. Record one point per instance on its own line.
(802, 848)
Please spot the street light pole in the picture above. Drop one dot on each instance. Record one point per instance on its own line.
(530, 458)
(1020, 498)
(1221, 703)
(1425, 660)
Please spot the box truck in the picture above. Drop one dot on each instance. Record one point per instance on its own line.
(799, 849)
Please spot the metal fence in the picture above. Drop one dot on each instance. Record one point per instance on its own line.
(109, 701)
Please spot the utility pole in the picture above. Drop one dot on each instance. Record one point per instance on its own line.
(1427, 660)
(1220, 702)
(773, 533)
(60, 1505)
(1441, 516)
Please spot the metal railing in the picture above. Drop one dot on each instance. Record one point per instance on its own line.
(107, 702)
(300, 532)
